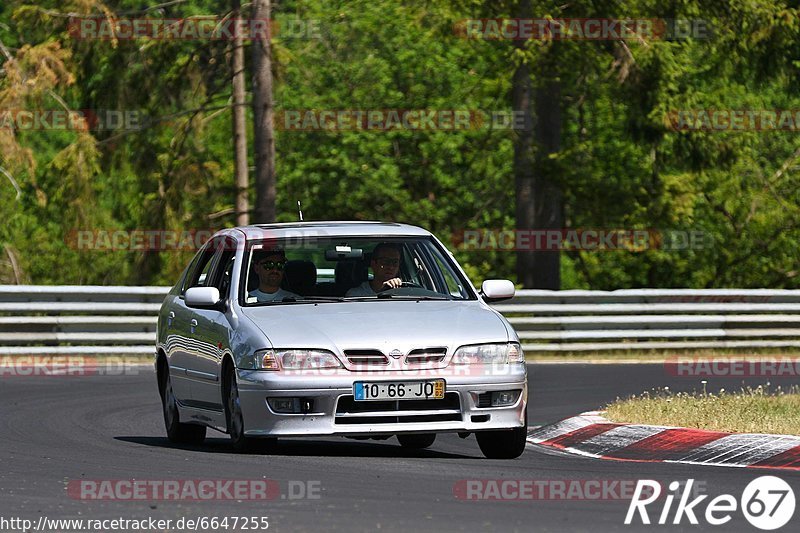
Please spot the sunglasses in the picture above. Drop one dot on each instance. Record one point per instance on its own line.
(272, 265)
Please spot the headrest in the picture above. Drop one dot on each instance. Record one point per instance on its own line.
(300, 276)
(350, 273)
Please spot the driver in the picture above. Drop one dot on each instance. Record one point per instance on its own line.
(385, 265)
(269, 266)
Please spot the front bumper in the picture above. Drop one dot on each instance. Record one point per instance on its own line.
(335, 413)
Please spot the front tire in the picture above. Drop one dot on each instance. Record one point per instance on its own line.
(504, 443)
(417, 441)
(178, 432)
(235, 420)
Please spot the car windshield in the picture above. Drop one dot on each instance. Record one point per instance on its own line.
(342, 269)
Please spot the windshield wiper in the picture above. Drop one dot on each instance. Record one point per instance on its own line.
(408, 297)
(312, 299)
(384, 296)
(301, 300)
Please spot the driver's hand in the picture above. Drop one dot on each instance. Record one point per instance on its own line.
(393, 283)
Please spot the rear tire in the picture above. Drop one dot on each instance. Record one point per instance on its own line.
(178, 432)
(417, 441)
(504, 443)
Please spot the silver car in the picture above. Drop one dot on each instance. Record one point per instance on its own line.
(358, 329)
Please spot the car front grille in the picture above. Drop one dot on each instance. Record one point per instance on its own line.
(349, 411)
(366, 358)
(373, 359)
(426, 355)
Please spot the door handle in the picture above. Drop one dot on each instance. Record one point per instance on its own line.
(193, 324)
(170, 318)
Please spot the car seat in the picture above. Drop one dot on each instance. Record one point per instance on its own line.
(350, 273)
(300, 277)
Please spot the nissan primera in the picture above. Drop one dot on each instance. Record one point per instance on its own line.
(357, 329)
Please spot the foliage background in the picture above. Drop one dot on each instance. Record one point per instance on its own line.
(619, 167)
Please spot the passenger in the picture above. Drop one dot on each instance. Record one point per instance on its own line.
(385, 265)
(269, 265)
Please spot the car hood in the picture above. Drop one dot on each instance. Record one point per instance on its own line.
(382, 325)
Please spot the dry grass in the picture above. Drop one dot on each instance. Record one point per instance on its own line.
(749, 410)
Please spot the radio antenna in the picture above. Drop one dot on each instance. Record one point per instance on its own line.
(299, 211)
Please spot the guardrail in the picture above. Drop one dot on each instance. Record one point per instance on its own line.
(654, 319)
(59, 320)
(75, 319)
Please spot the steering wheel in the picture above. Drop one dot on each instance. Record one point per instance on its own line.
(404, 285)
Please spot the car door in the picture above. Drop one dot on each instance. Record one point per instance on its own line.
(213, 331)
(184, 347)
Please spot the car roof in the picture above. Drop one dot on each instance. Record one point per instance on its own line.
(331, 228)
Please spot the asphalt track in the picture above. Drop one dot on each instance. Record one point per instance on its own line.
(57, 429)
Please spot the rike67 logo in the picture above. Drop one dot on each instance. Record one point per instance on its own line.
(767, 503)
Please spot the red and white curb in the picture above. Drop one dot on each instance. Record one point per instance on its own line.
(591, 435)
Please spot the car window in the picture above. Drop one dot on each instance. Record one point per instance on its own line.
(223, 268)
(453, 287)
(418, 266)
(201, 266)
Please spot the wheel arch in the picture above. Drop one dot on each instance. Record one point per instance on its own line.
(162, 368)
(227, 365)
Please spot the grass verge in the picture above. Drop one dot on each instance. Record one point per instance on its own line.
(749, 410)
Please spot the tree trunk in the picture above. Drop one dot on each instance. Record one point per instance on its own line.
(263, 131)
(548, 197)
(539, 198)
(239, 126)
(523, 159)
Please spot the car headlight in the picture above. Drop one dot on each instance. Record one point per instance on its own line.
(515, 353)
(265, 360)
(291, 359)
(487, 354)
(305, 359)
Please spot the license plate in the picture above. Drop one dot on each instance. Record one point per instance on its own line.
(399, 390)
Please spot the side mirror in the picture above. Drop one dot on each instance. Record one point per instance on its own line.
(494, 290)
(202, 297)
